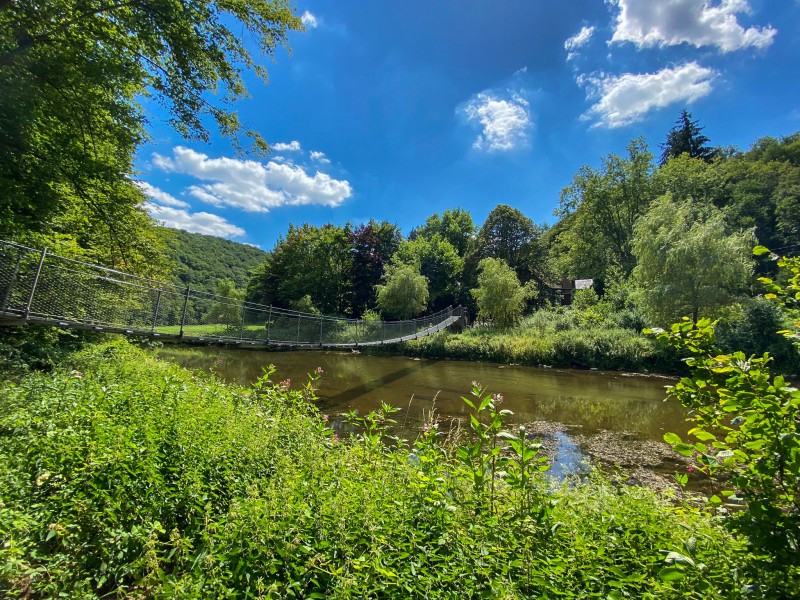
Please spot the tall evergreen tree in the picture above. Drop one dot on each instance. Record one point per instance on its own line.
(685, 137)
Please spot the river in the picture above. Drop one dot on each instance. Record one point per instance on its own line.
(582, 413)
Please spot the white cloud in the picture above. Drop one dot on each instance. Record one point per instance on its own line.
(648, 23)
(160, 195)
(309, 20)
(504, 118)
(626, 98)
(578, 40)
(251, 185)
(320, 157)
(200, 222)
(293, 146)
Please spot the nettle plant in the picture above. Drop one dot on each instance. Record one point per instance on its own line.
(746, 428)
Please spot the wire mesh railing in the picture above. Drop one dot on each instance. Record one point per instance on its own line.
(37, 286)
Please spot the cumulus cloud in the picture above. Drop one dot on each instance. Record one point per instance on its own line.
(253, 186)
(293, 146)
(625, 99)
(502, 115)
(320, 157)
(160, 195)
(580, 39)
(309, 20)
(646, 23)
(200, 222)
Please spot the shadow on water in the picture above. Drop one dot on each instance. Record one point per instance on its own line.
(577, 405)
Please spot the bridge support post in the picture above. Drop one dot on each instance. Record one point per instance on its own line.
(269, 319)
(320, 331)
(183, 312)
(298, 328)
(35, 283)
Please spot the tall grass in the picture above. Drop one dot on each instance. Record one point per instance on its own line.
(562, 338)
(127, 477)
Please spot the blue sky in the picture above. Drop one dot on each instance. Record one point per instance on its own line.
(395, 110)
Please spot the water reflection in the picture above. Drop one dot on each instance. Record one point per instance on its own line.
(591, 401)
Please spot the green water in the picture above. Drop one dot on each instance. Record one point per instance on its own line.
(588, 400)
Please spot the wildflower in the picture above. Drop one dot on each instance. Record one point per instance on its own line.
(475, 384)
(427, 427)
(690, 469)
(325, 418)
(285, 383)
(335, 438)
(498, 398)
(319, 371)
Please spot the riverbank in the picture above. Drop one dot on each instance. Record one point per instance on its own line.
(536, 342)
(126, 475)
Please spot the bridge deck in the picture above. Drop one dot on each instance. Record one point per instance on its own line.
(41, 288)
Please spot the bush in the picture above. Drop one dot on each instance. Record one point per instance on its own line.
(126, 477)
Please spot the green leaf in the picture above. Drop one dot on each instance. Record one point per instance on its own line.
(672, 438)
(760, 251)
(671, 574)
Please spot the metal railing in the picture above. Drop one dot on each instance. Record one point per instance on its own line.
(39, 287)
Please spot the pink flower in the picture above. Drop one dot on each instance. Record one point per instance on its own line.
(319, 371)
(690, 469)
(325, 418)
(498, 398)
(476, 384)
(285, 383)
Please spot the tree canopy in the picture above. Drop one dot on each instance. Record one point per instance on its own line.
(500, 296)
(689, 262)
(405, 293)
(686, 138)
(73, 74)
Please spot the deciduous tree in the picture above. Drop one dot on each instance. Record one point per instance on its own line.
(689, 263)
(405, 293)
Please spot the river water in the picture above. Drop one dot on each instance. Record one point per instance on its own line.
(580, 404)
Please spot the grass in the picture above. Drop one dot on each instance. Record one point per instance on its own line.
(562, 338)
(124, 476)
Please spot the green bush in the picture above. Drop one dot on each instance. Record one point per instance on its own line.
(127, 477)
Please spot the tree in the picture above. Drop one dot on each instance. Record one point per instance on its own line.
(455, 225)
(72, 74)
(500, 296)
(686, 138)
(405, 293)
(373, 245)
(688, 262)
(313, 261)
(600, 208)
(227, 307)
(439, 262)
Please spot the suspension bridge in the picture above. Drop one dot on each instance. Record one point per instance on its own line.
(37, 287)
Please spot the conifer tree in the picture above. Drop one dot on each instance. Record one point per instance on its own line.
(686, 137)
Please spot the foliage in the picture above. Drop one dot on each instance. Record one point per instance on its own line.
(305, 305)
(686, 138)
(73, 73)
(229, 309)
(553, 338)
(373, 245)
(454, 225)
(313, 261)
(500, 297)
(405, 293)
(200, 261)
(125, 476)
(439, 262)
(688, 262)
(600, 209)
(746, 427)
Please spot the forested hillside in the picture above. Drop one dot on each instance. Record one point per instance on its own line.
(202, 261)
